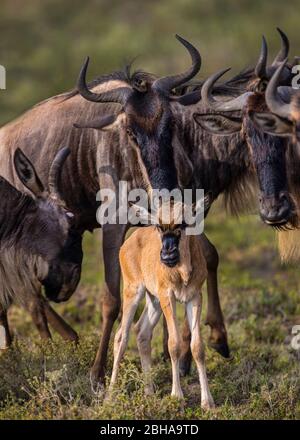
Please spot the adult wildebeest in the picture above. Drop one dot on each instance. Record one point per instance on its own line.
(267, 152)
(96, 152)
(34, 229)
(283, 120)
(217, 164)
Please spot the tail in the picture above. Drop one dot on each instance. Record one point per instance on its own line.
(289, 245)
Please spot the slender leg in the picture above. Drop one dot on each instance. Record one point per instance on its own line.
(35, 307)
(186, 354)
(5, 336)
(215, 319)
(113, 237)
(58, 323)
(193, 309)
(131, 298)
(168, 305)
(166, 354)
(144, 329)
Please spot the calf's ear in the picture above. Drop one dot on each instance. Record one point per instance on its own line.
(272, 124)
(218, 123)
(27, 174)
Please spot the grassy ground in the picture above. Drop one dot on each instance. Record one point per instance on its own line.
(260, 300)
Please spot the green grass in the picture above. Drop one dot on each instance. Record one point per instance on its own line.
(261, 304)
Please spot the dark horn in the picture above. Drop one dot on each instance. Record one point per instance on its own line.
(168, 83)
(234, 104)
(273, 100)
(261, 66)
(119, 95)
(284, 51)
(55, 171)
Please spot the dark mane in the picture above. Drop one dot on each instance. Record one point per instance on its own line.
(124, 75)
(13, 204)
(233, 87)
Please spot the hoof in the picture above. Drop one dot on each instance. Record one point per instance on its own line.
(222, 348)
(149, 389)
(178, 394)
(97, 383)
(208, 405)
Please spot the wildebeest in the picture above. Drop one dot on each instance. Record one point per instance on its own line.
(216, 164)
(33, 232)
(283, 120)
(167, 265)
(266, 152)
(93, 154)
(148, 116)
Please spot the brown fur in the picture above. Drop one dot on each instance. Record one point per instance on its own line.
(143, 272)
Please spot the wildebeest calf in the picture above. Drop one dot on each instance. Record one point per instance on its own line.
(34, 232)
(167, 265)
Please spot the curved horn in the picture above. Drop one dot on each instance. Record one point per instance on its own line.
(208, 99)
(285, 47)
(273, 99)
(55, 171)
(167, 83)
(261, 66)
(119, 95)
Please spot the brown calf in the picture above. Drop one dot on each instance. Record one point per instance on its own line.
(167, 265)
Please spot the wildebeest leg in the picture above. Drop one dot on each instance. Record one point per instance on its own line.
(166, 354)
(214, 318)
(218, 336)
(35, 306)
(113, 238)
(5, 337)
(186, 354)
(59, 324)
(144, 330)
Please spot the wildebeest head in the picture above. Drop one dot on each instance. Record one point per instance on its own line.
(48, 228)
(147, 117)
(267, 152)
(283, 119)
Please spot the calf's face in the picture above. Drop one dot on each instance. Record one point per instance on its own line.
(170, 240)
(49, 230)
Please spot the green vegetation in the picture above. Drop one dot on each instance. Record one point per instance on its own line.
(42, 46)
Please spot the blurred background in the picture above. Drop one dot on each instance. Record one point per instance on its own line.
(42, 46)
(43, 43)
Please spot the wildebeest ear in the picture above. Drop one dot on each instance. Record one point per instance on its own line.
(108, 122)
(27, 174)
(272, 124)
(142, 214)
(204, 203)
(218, 123)
(189, 98)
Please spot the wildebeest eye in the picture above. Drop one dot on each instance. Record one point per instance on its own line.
(69, 214)
(130, 133)
(177, 232)
(262, 85)
(140, 84)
